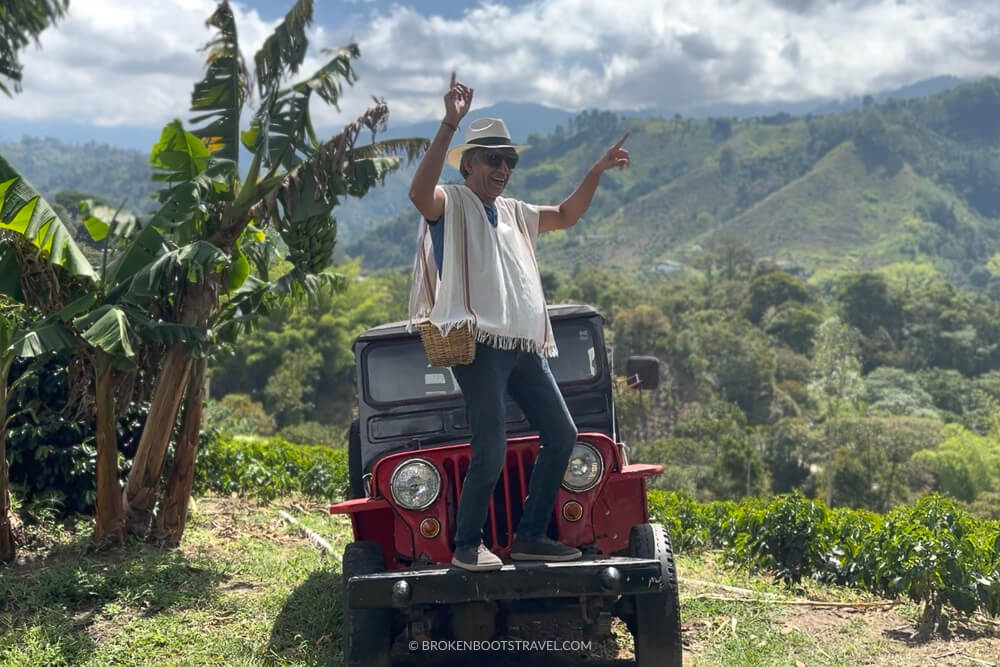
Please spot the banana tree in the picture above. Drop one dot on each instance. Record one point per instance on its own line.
(98, 314)
(293, 184)
(34, 244)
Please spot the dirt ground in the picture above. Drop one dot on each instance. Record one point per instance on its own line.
(843, 635)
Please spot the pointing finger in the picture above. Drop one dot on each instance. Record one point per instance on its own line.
(622, 140)
(452, 79)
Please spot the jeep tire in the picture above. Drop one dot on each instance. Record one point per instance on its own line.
(656, 621)
(367, 633)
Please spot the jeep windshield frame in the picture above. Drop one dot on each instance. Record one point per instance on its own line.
(420, 421)
(398, 373)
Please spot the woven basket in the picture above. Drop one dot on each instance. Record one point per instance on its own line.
(456, 349)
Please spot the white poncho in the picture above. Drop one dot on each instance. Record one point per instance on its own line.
(489, 275)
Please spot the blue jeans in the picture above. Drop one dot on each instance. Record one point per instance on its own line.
(528, 380)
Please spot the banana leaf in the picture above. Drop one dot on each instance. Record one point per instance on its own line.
(24, 211)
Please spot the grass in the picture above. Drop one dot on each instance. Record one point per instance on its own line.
(247, 589)
(243, 589)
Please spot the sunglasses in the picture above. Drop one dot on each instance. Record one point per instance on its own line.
(494, 160)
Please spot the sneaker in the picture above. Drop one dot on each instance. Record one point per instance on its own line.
(543, 548)
(476, 559)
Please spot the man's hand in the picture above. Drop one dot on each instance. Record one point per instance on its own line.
(615, 157)
(565, 215)
(457, 101)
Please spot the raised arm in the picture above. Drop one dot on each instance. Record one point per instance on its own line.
(424, 193)
(567, 213)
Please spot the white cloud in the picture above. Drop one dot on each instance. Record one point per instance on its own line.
(115, 62)
(648, 53)
(112, 62)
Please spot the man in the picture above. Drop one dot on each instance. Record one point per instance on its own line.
(481, 248)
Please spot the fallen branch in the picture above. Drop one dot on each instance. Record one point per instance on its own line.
(731, 589)
(803, 603)
(976, 660)
(311, 534)
(946, 655)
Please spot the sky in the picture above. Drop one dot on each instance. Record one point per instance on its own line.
(125, 66)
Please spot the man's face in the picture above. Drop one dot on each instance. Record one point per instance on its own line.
(489, 171)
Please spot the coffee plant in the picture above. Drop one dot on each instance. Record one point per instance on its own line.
(932, 552)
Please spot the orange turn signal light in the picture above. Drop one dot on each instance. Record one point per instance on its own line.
(572, 511)
(429, 528)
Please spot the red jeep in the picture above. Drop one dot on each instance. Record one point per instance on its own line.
(408, 455)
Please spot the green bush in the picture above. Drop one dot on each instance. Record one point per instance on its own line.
(791, 537)
(238, 414)
(268, 468)
(313, 433)
(50, 447)
(931, 552)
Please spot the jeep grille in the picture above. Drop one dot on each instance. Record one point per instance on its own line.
(508, 497)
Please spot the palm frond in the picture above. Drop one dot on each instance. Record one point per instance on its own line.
(412, 148)
(24, 211)
(315, 185)
(193, 174)
(283, 131)
(44, 339)
(257, 298)
(243, 309)
(178, 156)
(107, 328)
(363, 175)
(284, 50)
(327, 81)
(22, 21)
(147, 245)
(219, 97)
(191, 262)
(160, 332)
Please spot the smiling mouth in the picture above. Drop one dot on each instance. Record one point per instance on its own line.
(498, 180)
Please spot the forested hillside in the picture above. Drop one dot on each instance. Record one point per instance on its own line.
(903, 181)
(898, 182)
(737, 253)
(114, 174)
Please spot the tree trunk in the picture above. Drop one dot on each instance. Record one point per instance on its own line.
(143, 484)
(172, 515)
(109, 526)
(11, 533)
(8, 541)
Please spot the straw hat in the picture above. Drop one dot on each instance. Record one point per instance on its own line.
(483, 133)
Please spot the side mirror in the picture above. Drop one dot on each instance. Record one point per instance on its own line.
(642, 372)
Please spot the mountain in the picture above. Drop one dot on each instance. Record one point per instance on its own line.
(896, 180)
(924, 88)
(133, 137)
(116, 174)
(525, 120)
(902, 182)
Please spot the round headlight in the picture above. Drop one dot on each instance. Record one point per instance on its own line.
(585, 468)
(415, 484)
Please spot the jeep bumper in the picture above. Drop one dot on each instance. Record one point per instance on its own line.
(515, 581)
